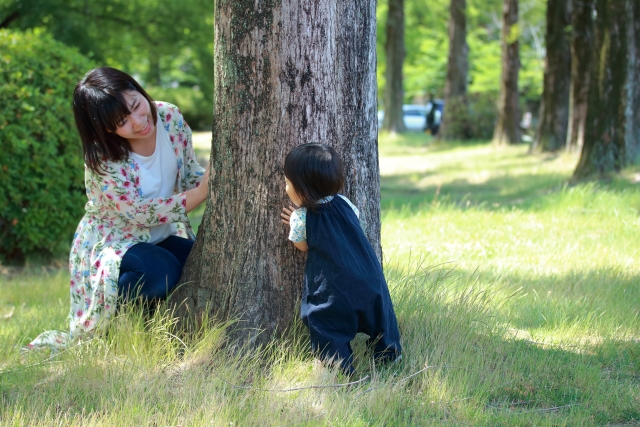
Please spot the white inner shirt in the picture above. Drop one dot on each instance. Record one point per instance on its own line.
(158, 176)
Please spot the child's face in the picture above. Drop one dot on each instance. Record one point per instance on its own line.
(291, 192)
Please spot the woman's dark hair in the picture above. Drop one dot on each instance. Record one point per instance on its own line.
(316, 171)
(99, 106)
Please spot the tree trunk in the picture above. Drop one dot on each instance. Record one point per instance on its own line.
(581, 57)
(612, 131)
(551, 134)
(6, 21)
(455, 121)
(507, 129)
(286, 73)
(394, 49)
(153, 76)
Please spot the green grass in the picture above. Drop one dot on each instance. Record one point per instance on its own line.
(517, 296)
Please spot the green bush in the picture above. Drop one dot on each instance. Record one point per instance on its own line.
(196, 108)
(475, 121)
(458, 123)
(483, 113)
(41, 162)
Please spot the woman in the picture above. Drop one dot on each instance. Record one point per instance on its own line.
(141, 179)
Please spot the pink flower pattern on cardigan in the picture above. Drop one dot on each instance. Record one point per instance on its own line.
(117, 217)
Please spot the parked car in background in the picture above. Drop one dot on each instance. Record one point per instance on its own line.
(416, 117)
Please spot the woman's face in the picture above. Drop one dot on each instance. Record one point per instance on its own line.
(291, 192)
(138, 124)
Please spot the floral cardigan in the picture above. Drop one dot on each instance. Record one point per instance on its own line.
(117, 217)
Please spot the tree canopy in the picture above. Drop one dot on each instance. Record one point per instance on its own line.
(170, 44)
(162, 44)
(427, 43)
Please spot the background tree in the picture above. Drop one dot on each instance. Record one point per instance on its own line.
(507, 130)
(426, 45)
(165, 45)
(108, 32)
(612, 131)
(551, 134)
(395, 53)
(285, 74)
(456, 108)
(581, 60)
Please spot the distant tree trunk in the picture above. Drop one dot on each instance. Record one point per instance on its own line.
(507, 129)
(394, 49)
(455, 123)
(581, 59)
(9, 18)
(612, 131)
(286, 73)
(153, 75)
(551, 134)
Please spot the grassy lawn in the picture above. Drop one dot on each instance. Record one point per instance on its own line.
(517, 294)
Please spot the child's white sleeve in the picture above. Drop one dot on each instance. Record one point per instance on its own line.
(298, 225)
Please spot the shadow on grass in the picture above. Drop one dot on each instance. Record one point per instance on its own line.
(447, 322)
(524, 191)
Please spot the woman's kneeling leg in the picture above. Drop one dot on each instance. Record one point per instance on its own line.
(152, 271)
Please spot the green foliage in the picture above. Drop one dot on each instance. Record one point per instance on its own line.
(483, 112)
(41, 161)
(193, 105)
(485, 62)
(427, 46)
(159, 43)
(474, 121)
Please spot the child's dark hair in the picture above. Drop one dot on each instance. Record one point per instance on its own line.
(99, 106)
(316, 171)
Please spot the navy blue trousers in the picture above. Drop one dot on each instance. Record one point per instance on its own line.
(152, 271)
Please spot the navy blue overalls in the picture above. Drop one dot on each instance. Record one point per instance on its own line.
(345, 291)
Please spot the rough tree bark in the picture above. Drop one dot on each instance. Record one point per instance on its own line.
(393, 120)
(581, 57)
(551, 134)
(455, 123)
(612, 131)
(286, 73)
(507, 130)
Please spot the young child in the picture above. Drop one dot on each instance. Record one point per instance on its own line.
(344, 288)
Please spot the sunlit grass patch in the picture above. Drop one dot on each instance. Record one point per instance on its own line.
(570, 267)
(31, 301)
